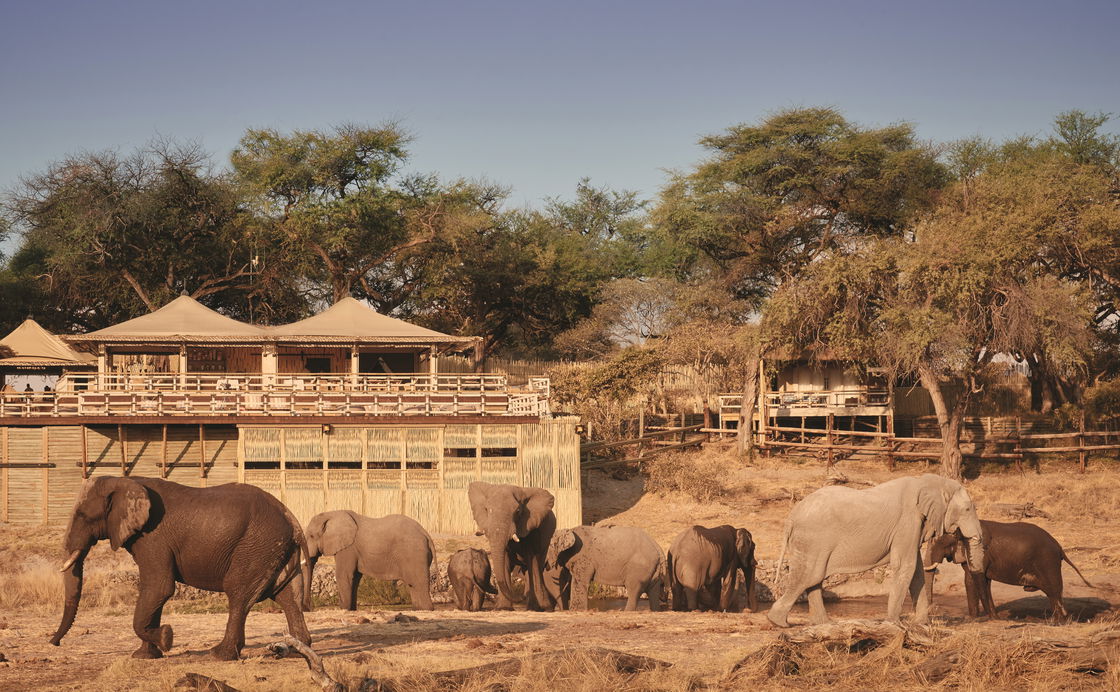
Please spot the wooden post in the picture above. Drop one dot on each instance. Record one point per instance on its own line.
(708, 421)
(46, 477)
(828, 438)
(682, 427)
(1082, 455)
(4, 472)
(890, 439)
(124, 451)
(201, 455)
(163, 454)
(641, 426)
(1018, 444)
(85, 454)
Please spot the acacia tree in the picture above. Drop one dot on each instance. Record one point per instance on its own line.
(773, 197)
(341, 205)
(108, 237)
(940, 306)
(529, 275)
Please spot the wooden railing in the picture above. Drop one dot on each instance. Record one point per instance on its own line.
(281, 395)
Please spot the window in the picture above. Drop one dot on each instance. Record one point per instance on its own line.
(499, 451)
(317, 365)
(459, 453)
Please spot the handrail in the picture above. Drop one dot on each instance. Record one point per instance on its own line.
(281, 395)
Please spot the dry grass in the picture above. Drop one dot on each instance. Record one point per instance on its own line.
(699, 476)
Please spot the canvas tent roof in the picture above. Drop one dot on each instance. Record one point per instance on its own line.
(182, 319)
(352, 320)
(29, 346)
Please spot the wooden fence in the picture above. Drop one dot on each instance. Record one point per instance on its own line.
(645, 445)
(1010, 444)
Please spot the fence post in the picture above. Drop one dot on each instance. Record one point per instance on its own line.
(1082, 455)
(828, 439)
(890, 440)
(1018, 444)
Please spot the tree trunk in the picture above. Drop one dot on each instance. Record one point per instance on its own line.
(750, 397)
(950, 418)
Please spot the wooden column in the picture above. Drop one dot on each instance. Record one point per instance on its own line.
(828, 438)
(124, 451)
(201, 455)
(45, 458)
(183, 365)
(163, 454)
(1082, 455)
(890, 439)
(433, 361)
(85, 454)
(4, 472)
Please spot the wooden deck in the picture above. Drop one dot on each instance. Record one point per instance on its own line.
(255, 395)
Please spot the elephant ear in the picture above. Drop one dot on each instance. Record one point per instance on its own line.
(564, 540)
(129, 507)
(744, 547)
(338, 533)
(539, 503)
(933, 501)
(478, 493)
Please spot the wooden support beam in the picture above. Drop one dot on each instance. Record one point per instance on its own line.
(201, 455)
(164, 471)
(85, 453)
(121, 443)
(46, 477)
(4, 490)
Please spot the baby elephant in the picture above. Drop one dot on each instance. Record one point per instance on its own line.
(389, 547)
(469, 573)
(1021, 554)
(706, 562)
(610, 555)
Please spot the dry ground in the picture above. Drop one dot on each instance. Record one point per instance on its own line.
(1005, 654)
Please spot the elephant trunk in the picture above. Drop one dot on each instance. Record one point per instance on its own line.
(72, 580)
(972, 533)
(930, 575)
(499, 553)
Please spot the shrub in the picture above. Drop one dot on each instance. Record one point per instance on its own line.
(698, 476)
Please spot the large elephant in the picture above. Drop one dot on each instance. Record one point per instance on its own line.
(231, 538)
(610, 555)
(1017, 553)
(519, 523)
(706, 562)
(389, 547)
(838, 530)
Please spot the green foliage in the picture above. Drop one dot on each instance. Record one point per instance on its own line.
(1102, 401)
(774, 196)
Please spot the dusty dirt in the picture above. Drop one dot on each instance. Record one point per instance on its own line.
(96, 654)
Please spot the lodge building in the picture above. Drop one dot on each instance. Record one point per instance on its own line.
(346, 409)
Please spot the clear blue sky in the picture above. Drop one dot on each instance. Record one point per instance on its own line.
(535, 95)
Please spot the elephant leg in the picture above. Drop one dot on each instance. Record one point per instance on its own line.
(691, 598)
(460, 595)
(581, 582)
(799, 581)
(245, 584)
(817, 614)
(419, 591)
(538, 597)
(653, 593)
(677, 593)
(918, 593)
(984, 586)
(293, 613)
(476, 599)
(633, 592)
(348, 578)
(727, 588)
(155, 589)
(902, 572)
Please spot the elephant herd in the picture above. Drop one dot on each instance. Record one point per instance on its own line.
(239, 540)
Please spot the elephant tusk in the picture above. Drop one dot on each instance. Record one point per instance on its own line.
(930, 568)
(515, 539)
(71, 560)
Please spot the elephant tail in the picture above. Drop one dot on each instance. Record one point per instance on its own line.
(786, 533)
(670, 576)
(433, 564)
(1070, 563)
(302, 558)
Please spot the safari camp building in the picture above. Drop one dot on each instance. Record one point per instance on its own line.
(344, 410)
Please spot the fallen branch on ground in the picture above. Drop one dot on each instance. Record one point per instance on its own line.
(621, 662)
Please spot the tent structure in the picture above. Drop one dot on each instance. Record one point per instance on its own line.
(183, 319)
(30, 347)
(350, 320)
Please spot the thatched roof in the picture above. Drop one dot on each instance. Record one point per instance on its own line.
(30, 347)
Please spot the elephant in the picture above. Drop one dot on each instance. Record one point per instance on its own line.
(518, 523)
(707, 561)
(389, 547)
(231, 538)
(839, 530)
(468, 570)
(610, 555)
(1017, 553)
